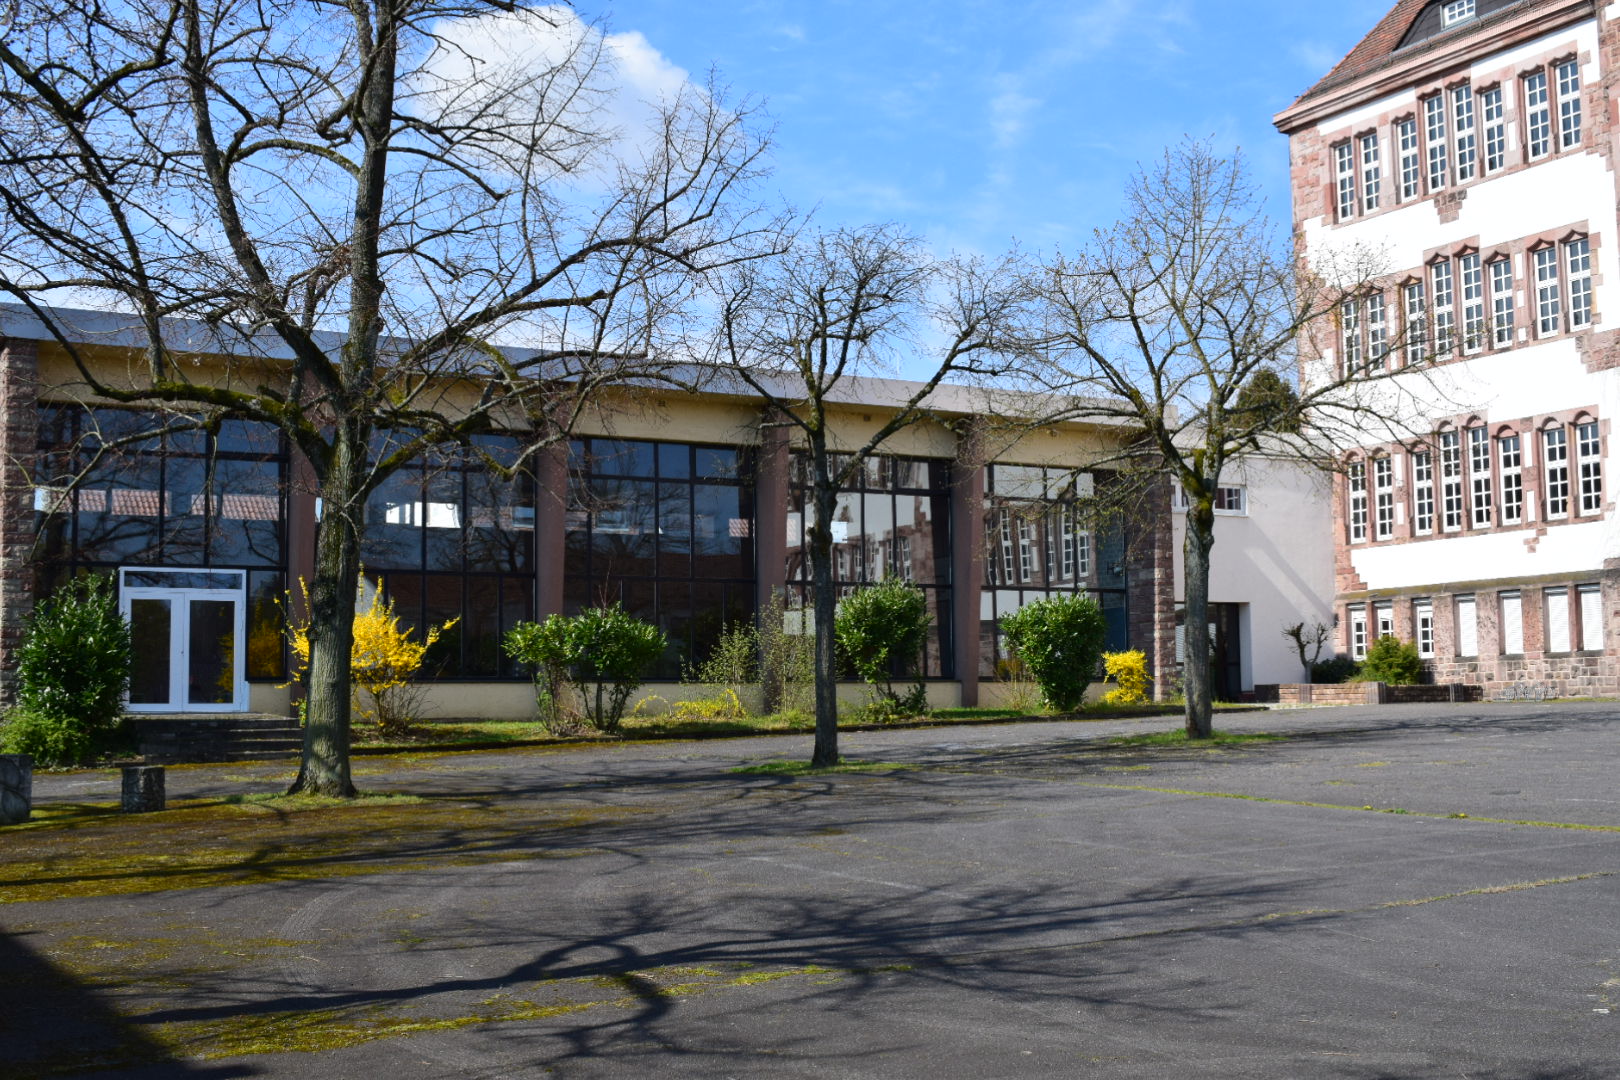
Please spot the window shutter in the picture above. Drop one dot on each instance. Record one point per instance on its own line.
(1467, 627)
(1591, 616)
(1557, 620)
(1512, 625)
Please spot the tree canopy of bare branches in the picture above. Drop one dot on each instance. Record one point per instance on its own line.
(1166, 319)
(371, 216)
(799, 330)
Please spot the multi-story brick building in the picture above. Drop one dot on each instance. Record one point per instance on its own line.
(1471, 143)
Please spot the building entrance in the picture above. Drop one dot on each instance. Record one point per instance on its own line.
(188, 627)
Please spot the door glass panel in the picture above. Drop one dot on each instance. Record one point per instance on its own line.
(182, 579)
(211, 676)
(149, 634)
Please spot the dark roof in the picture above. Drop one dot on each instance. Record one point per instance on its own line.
(1390, 37)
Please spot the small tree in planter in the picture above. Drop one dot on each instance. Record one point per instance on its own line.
(1059, 640)
(72, 673)
(882, 627)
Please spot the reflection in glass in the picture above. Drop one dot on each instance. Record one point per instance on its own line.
(149, 621)
(211, 669)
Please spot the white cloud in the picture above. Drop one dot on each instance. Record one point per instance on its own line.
(547, 62)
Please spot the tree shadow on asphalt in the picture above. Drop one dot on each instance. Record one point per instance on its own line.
(51, 1023)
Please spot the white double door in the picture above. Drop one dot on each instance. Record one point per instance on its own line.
(189, 629)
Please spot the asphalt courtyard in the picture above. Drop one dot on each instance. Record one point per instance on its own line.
(1388, 892)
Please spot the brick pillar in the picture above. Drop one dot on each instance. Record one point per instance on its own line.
(550, 527)
(967, 556)
(1150, 583)
(771, 493)
(19, 434)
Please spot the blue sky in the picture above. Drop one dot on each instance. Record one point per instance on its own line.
(974, 123)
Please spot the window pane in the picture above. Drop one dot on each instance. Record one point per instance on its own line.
(442, 602)
(674, 461)
(482, 627)
(266, 624)
(393, 537)
(441, 520)
(120, 505)
(246, 509)
(675, 530)
(623, 527)
(619, 457)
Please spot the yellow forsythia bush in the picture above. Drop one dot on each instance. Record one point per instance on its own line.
(1129, 671)
(383, 661)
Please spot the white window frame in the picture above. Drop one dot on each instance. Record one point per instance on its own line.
(1549, 292)
(1417, 322)
(1471, 274)
(1555, 607)
(1442, 308)
(1434, 137)
(1465, 140)
(1578, 281)
(1493, 119)
(1511, 606)
(1467, 609)
(1479, 475)
(1451, 482)
(1344, 156)
(1372, 173)
(1358, 632)
(1377, 332)
(1567, 78)
(1555, 472)
(1231, 501)
(1357, 484)
(1350, 335)
(1589, 467)
(1423, 492)
(1537, 116)
(1510, 464)
(1383, 497)
(1423, 623)
(1384, 619)
(1406, 142)
(1501, 275)
(1590, 605)
(1456, 11)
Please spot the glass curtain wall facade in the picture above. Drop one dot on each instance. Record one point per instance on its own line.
(1039, 542)
(154, 492)
(666, 530)
(894, 521)
(450, 539)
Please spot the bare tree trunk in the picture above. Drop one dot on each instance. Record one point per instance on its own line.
(825, 598)
(1195, 621)
(325, 767)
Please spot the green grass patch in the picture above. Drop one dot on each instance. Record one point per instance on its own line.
(1178, 737)
(281, 802)
(804, 768)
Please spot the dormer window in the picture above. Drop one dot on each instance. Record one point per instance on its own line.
(1456, 11)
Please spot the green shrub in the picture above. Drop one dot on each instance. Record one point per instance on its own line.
(602, 652)
(46, 737)
(732, 666)
(1335, 670)
(1059, 640)
(74, 659)
(881, 628)
(1391, 660)
(548, 649)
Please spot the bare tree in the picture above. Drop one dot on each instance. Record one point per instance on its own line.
(798, 330)
(1179, 321)
(358, 207)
